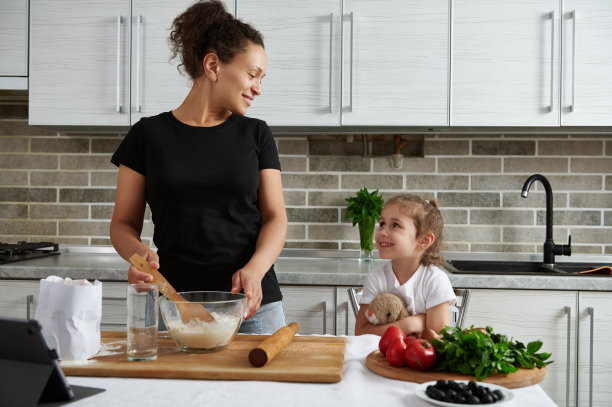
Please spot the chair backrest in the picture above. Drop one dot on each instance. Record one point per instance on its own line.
(458, 310)
(354, 295)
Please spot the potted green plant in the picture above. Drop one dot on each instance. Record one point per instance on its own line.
(365, 208)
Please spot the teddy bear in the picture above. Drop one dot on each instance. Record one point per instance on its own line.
(386, 308)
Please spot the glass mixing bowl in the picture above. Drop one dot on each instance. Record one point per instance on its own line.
(195, 335)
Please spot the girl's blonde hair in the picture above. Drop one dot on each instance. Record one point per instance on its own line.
(427, 219)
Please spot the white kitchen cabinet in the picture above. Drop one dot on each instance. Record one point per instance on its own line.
(302, 41)
(19, 299)
(395, 63)
(587, 63)
(313, 308)
(79, 62)
(528, 315)
(14, 38)
(505, 63)
(356, 62)
(102, 62)
(114, 306)
(594, 356)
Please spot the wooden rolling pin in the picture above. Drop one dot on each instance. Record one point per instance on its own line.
(187, 311)
(266, 350)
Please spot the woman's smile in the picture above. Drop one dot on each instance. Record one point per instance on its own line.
(248, 99)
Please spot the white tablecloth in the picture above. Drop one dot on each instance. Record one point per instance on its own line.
(358, 387)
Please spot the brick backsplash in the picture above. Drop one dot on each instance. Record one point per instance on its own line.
(60, 187)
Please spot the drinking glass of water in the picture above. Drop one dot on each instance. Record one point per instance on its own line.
(142, 315)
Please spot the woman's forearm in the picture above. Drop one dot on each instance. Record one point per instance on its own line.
(126, 240)
(269, 244)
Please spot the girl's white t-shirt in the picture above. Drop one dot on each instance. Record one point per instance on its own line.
(429, 286)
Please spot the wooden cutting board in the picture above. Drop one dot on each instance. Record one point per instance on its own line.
(313, 359)
(377, 363)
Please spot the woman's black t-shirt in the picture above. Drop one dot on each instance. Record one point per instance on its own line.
(201, 186)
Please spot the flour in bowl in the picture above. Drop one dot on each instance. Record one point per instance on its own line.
(199, 334)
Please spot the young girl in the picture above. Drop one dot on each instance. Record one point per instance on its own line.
(410, 235)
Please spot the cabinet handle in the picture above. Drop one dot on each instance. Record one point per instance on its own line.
(591, 312)
(331, 46)
(552, 58)
(119, 23)
(324, 303)
(350, 106)
(346, 328)
(138, 67)
(573, 17)
(568, 310)
(29, 301)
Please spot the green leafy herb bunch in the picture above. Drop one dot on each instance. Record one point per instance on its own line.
(365, 208)
(481, 354)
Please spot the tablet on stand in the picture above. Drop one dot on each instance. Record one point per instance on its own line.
(29, 371)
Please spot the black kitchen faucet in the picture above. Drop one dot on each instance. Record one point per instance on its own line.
(550, 248)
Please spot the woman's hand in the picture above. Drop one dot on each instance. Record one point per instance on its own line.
(137, 277)
(250, 282)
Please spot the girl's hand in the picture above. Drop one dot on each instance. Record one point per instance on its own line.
(251, 284)
(137, 277)
(413, 325)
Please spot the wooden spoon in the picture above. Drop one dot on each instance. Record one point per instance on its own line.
(188, 311)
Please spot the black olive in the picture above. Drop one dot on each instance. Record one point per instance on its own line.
(451, 396)
(480, 391)
(472, 385)
(442, 384)
(435, 393)
(466, 392)
(497, 394)
(454, 385)
(473, 400)
(460, 399)
(487, 399)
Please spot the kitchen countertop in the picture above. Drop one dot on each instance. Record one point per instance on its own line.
(311, 267)
(358, 387)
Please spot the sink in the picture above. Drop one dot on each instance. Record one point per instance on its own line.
(516, 267)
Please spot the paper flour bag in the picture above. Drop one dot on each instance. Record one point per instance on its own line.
(69, 312)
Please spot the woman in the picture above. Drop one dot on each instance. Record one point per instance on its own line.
(211, 176)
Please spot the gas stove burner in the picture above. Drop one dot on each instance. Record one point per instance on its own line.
(12, 252)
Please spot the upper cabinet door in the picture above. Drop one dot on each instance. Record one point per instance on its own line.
(302, 41)
(157, 85)
(14, 37)
(587, 63)
(505, 63)
(395, 62)
(79, 62)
